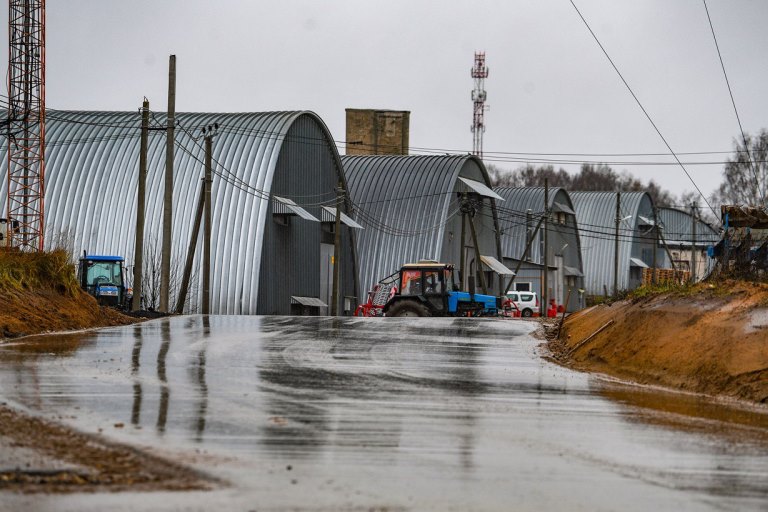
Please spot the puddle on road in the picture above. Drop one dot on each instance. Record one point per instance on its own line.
(677, 410)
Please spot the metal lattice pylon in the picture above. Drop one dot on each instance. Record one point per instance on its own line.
(479, 73)
(26, 124)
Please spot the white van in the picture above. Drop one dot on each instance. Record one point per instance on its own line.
(527, 302)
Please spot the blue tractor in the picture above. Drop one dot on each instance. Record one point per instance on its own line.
(102, 277)
(429, 289)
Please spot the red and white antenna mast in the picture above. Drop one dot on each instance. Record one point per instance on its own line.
(479, 73)
(26, 123)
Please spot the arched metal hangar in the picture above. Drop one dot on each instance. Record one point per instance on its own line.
(518, 217)
(411, 208)
(273, 192)
(596, 213)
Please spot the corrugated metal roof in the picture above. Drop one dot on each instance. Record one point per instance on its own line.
(92, 163)
(404, 202)
(596, 213)
(496, 266)
(677, 227)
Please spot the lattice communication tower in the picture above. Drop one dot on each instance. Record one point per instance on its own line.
(26, 124)
(479, 73)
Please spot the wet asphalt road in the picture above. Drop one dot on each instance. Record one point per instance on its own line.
(381, 414)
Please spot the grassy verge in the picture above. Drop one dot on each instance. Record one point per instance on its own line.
(25, 271)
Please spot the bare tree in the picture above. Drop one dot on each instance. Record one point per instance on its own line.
(745, 177)
(591, 177)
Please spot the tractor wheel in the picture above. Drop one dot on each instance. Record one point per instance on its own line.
(408, 308)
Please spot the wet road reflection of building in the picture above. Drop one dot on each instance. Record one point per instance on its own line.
(330, 389)
(145, 336)
(165, 389)
(197, 371)
(135, 367)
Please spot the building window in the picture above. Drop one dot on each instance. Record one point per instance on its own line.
(523, 287)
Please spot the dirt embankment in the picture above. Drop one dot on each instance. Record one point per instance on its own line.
(46, 310)
(710, 339)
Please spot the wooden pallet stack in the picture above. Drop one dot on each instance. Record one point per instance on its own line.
(665, 276)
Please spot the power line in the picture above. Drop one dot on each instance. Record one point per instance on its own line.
(642, 108)
(733, 102)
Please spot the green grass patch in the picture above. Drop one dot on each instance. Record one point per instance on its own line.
(52, 270)
(671, 288)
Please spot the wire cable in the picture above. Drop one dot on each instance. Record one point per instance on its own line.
(733, 102)
(642, 108)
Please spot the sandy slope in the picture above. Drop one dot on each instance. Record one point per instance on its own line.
(711, 339)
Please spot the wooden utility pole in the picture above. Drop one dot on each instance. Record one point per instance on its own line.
(693, 242)
(616, 247)
(524, 257)
(497, 232)
(528, 231)
(206, 306)
(191, 253)
(655, 243)
(545, 280)
(165, 263)
(337, 251)
(462, 267)
(138, 251)
(479, 264)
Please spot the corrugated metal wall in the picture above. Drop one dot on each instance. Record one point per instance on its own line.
(596, 214)
(563, 238)
(91, 175)
(677, 226)
(307, 172)
(410, 209)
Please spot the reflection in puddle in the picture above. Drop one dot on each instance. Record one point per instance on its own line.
(677, 410)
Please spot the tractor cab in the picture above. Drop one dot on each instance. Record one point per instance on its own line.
(429, 288)
(102, 277)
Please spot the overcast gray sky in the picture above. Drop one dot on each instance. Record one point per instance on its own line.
(550, 89)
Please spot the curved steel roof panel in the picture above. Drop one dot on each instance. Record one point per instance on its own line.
(677, 227)
(92, 161)
(512, 217)
(404, 202)
(512, 222)
(596, 214)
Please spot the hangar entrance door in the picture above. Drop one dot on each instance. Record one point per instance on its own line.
(326, 274)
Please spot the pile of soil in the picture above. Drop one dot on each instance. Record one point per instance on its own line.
(24, 312)
(64, 460)
(710, 338)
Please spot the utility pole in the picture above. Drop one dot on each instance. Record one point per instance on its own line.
(337, 250)
(165, 264)
(138, 252)
(545, 280)
(206, 309)
(479, 264)
(203, 205)
(655, 242)
(693, 242)
(528, 231)
(462, 267)
(616, 247)
(184, 287)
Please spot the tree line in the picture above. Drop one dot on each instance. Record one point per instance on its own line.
(745, 178)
